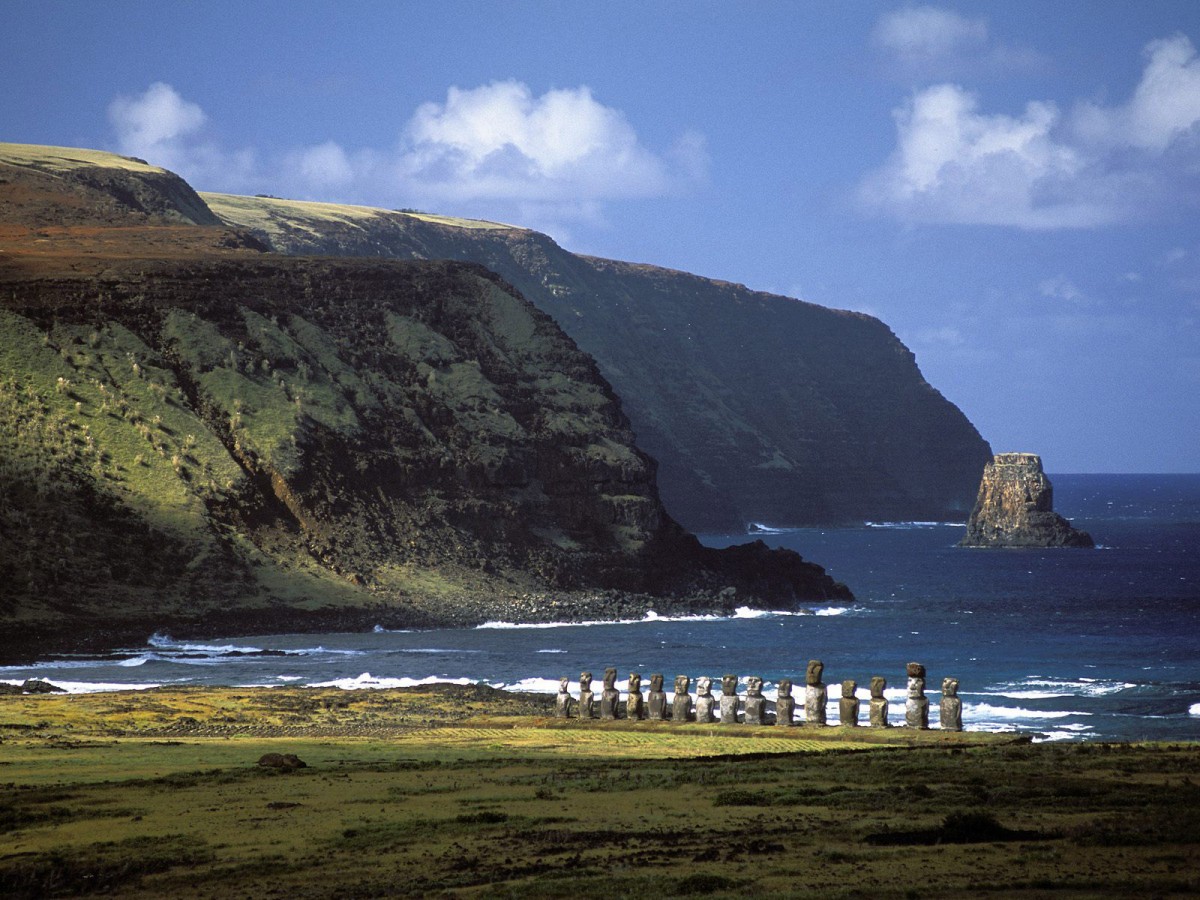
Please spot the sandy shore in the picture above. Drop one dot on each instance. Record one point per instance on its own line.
(468, 791)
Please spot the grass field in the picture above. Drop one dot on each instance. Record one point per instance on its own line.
(462, 791)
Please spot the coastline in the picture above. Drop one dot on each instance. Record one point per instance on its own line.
(463, 789)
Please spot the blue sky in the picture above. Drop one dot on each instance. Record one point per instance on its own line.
(1013, 187)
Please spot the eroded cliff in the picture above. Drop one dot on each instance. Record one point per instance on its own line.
(198, 434)
(758, 408)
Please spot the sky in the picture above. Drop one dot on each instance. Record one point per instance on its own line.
(1013, 187)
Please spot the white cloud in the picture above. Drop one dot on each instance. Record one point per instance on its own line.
(496, 151)
(955, 163)
(153, 124)
(1164, 106)
(927, 41)
(1061, 288)
(498, 141)
(922, 34)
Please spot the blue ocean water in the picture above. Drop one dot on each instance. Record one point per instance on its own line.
(1060, 644)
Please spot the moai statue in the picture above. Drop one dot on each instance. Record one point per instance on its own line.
(635, 705)
(656, 700)
(916, 708)
(729, 700)
(704, 700)
(951, 706)
(562, 704)
(815, 695)
(756, 704)
(785, 706)
(609, 697)
(585, 695)
(848, 705)
(879, 704)
(681, 703)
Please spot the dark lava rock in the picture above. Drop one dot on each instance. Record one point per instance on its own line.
(286, 761)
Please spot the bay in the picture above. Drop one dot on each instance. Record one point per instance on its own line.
(1059, 644)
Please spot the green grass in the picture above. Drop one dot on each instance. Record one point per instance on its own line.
(496, 802)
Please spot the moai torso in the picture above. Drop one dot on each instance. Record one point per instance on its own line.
(681, 703)
(916, 707)
(729, 700)
(562, 704)
(756, 704)
(879, 704)
(848, 704)
(635, 706)
(704, 700)
(609, 697)
(785, 706)
(585, 695)
(951, 710)
(656, 700)
(815, 695)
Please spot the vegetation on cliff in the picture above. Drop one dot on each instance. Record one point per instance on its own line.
(758, 408)
(193, 431)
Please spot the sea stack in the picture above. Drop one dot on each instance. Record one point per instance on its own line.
(1015, 508)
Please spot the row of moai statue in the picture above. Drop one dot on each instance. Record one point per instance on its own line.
(681, 708)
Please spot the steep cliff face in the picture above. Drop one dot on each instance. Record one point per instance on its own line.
(1016, 508)
(198, 434)
(757, 407)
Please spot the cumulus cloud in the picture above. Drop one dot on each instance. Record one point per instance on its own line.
(499, 141)
(955, 163)
(494, 150)
(166, 130)
(154, 123)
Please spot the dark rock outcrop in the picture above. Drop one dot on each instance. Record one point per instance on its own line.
(1016, 508)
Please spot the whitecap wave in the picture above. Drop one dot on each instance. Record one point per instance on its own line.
(760, 528)
(1039, 687)
(986, 710)
(1194, 709)
(652, 617)
(908, 525)
(367, 681)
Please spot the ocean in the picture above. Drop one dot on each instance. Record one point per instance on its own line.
(1060, 644)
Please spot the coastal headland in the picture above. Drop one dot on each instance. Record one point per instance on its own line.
(463, 790)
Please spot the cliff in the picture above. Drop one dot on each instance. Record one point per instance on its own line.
(758, 408)
(1016, 508)
(200, 435)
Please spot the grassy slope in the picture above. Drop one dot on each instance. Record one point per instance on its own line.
(470, 792)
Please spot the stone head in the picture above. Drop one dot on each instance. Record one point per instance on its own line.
(610, 678)
(915, 670)
(656, 682)
(815, 670)
(849, 686)
(585, 681)
(916, 687)
(785, 687)
(703, 686)
(682, 683)
(949, 687)
(635, 682)
(562, 684)
(729, 684)
(754, 686)
(878, 686)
